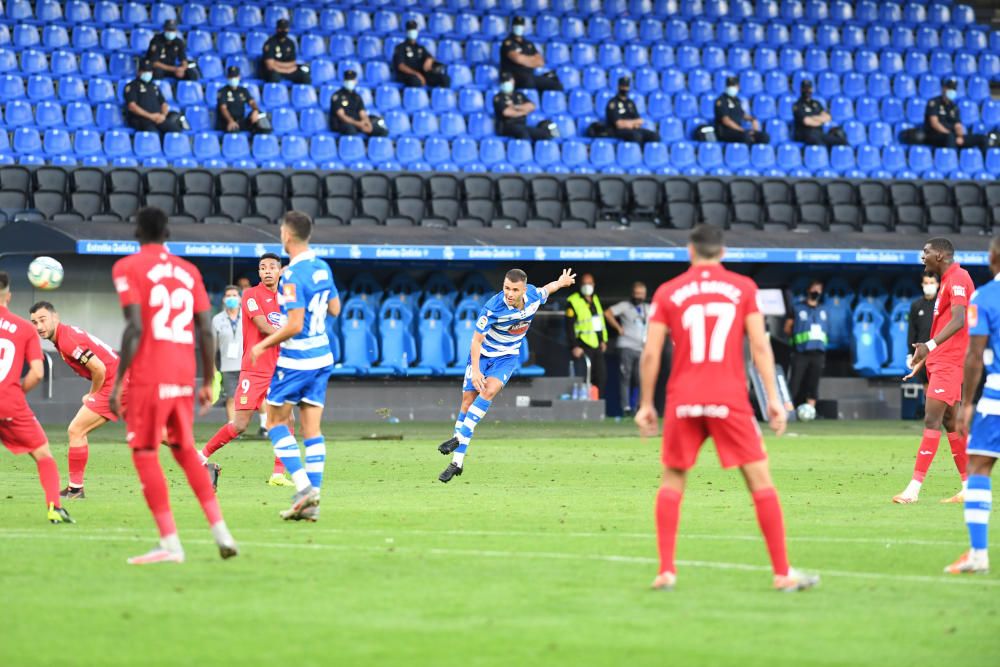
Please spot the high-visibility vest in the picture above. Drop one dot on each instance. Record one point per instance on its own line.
(583, 325)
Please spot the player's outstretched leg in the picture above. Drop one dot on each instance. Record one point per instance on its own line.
(474, 415)
(48, 476)
(287, 449)
(154, 489)
(189, 461)
(978, 503)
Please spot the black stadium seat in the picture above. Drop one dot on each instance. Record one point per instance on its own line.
(744, 196)
(166, 202)
(779, 205)
(612, 197)
(443, 186)
(234, 183)
(875, 206)
(310, 205)
(197, 204)
(49, 202)
(304, 184)
(125, 180)
(51, 178)
(845, 213)
(161, 180)
(198, 181)
(338, 185)
(408, 186)
(270, 183)
(15, 178)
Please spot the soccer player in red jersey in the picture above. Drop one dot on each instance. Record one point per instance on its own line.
(943, 356)
(706, 311)
(93, 360)
(165, 304)
(261, 317)
(20, 431)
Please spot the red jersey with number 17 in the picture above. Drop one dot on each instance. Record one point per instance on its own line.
(956, 290)
(19, 344)
(705, 309)
(259, 301)
(169, 290)
(77, 347)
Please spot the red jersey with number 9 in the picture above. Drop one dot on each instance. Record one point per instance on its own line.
(19, 344)
(169, 290)
(705, 309)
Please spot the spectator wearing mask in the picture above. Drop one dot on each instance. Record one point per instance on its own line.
(520, 58)
(623, 118)
(168, 54)
(414, 65)
(920, 320)
(587, 330)
(809, 333)
(278, 58)
(231, 108)
(511, 109)
(730, 118)
(227, 327)
(810, 117)
(347, 111)
(629, 319)
(146, 110)
(943, 122)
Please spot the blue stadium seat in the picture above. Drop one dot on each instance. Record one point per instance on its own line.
(971, 161)
(351, 148)
(920, 159)
(789, 157)
(284, 121)
(235, 146)
(295, 150)
(737, 156)
(893, 158)
(18, 114)
(206, 146)
(409, 150)
(57, 142)
(656, 155)
(48, 114)
(945, 160)
(574, 153)
(322, 149)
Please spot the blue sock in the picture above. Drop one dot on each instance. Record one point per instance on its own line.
(315, 460)
(978, 502)
(459, 422)
(286, 448)
(476, 412)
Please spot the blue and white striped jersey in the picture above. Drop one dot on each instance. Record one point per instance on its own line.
(307, 283)
(984, 320)
(504, 327)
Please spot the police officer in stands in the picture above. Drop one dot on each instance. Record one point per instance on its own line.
(168, 53)
(808, 329)
(146, 109)
(511, 109)
(347, 111)
(623, 118)
(231, 108)
(414, 65)
(943, 122)
(519, 57)
(277, 61)
(810, 117)
(730, 118)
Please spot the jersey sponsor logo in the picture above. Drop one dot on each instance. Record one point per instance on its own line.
(973, 315)
(276, 319)
(518, 330)
(167, 391)
(712, 411)
(939, 391)
(958, 290)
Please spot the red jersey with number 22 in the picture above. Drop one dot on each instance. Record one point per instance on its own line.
(956, 290)
(259, 301)
(169, 290)
(705, 309)
(19, 344)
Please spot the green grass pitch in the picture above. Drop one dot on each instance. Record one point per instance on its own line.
(540, 554)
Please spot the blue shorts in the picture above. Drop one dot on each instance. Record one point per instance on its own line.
(501, 368)
(984, 437)
(291, 386)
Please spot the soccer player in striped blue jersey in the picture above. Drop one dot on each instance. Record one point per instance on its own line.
(984, 437)
(306, 293)
(493, 356)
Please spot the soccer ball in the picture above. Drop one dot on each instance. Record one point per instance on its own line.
(806, 412)
(45, 273)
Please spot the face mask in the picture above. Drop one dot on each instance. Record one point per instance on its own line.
(623, 92)
(807, 94)
(507, 87)
(815, 296)
(171, 35)
(951, 94)
(146, 77)
(587, 290)
(351, 84)
(234, 83)
(732, 91)
(411, 35)
(232, 302)
(518, 30)
(282, 33)
(930, 291)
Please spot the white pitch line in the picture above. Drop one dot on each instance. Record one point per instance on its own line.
(546, 555)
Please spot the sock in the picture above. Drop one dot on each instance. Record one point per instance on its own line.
(287, 450)
(978, 502)
(476, 412)
(154, 488)
(263, 419)
(279, 467)
(668, 517)
(48, 475)
(189, 461)
(77, 464)
(459, 422)
(772, 525)
(928, 448)
(315, 460)
(957, 443)
(459, 456)
(222, 437)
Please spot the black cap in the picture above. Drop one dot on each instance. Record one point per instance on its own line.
(518, 20)
(806, 83)
(411, 25)
(170, 24)
(232, 71)
(625, 82)
(145, 65)
(950, 83)
(506, 76)
(732, 80)
(350, 74)
(283, 24)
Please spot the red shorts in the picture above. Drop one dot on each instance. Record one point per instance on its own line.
(251, 390)
(944, 383)
(737, 436)
(101, 401)
(152, 411)
(22, 434)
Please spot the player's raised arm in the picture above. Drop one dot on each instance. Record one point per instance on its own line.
(649, 371)
(763, 359)
(565, 280)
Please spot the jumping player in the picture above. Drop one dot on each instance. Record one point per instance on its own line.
(165, 305)
(261, 317)
(942, 356)
(706, 311)
(93, 360)
(307, 293)
(20, 431)
(493, 356)
(984, 436)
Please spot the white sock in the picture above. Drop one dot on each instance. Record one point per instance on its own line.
(221, 533)
(965, 485)
(263, 419)
(457, 458)
(301, 479)
(978, 554)
(913, 488)
(171, 543)
(201, 455)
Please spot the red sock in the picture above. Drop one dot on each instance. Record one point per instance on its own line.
(48, 475)
(77, 464)
(279, 467)
(961, 456)
(668, 517)
(928, 448)
(154, 488)
(187, 458)
(772, 525)
(222, 437)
